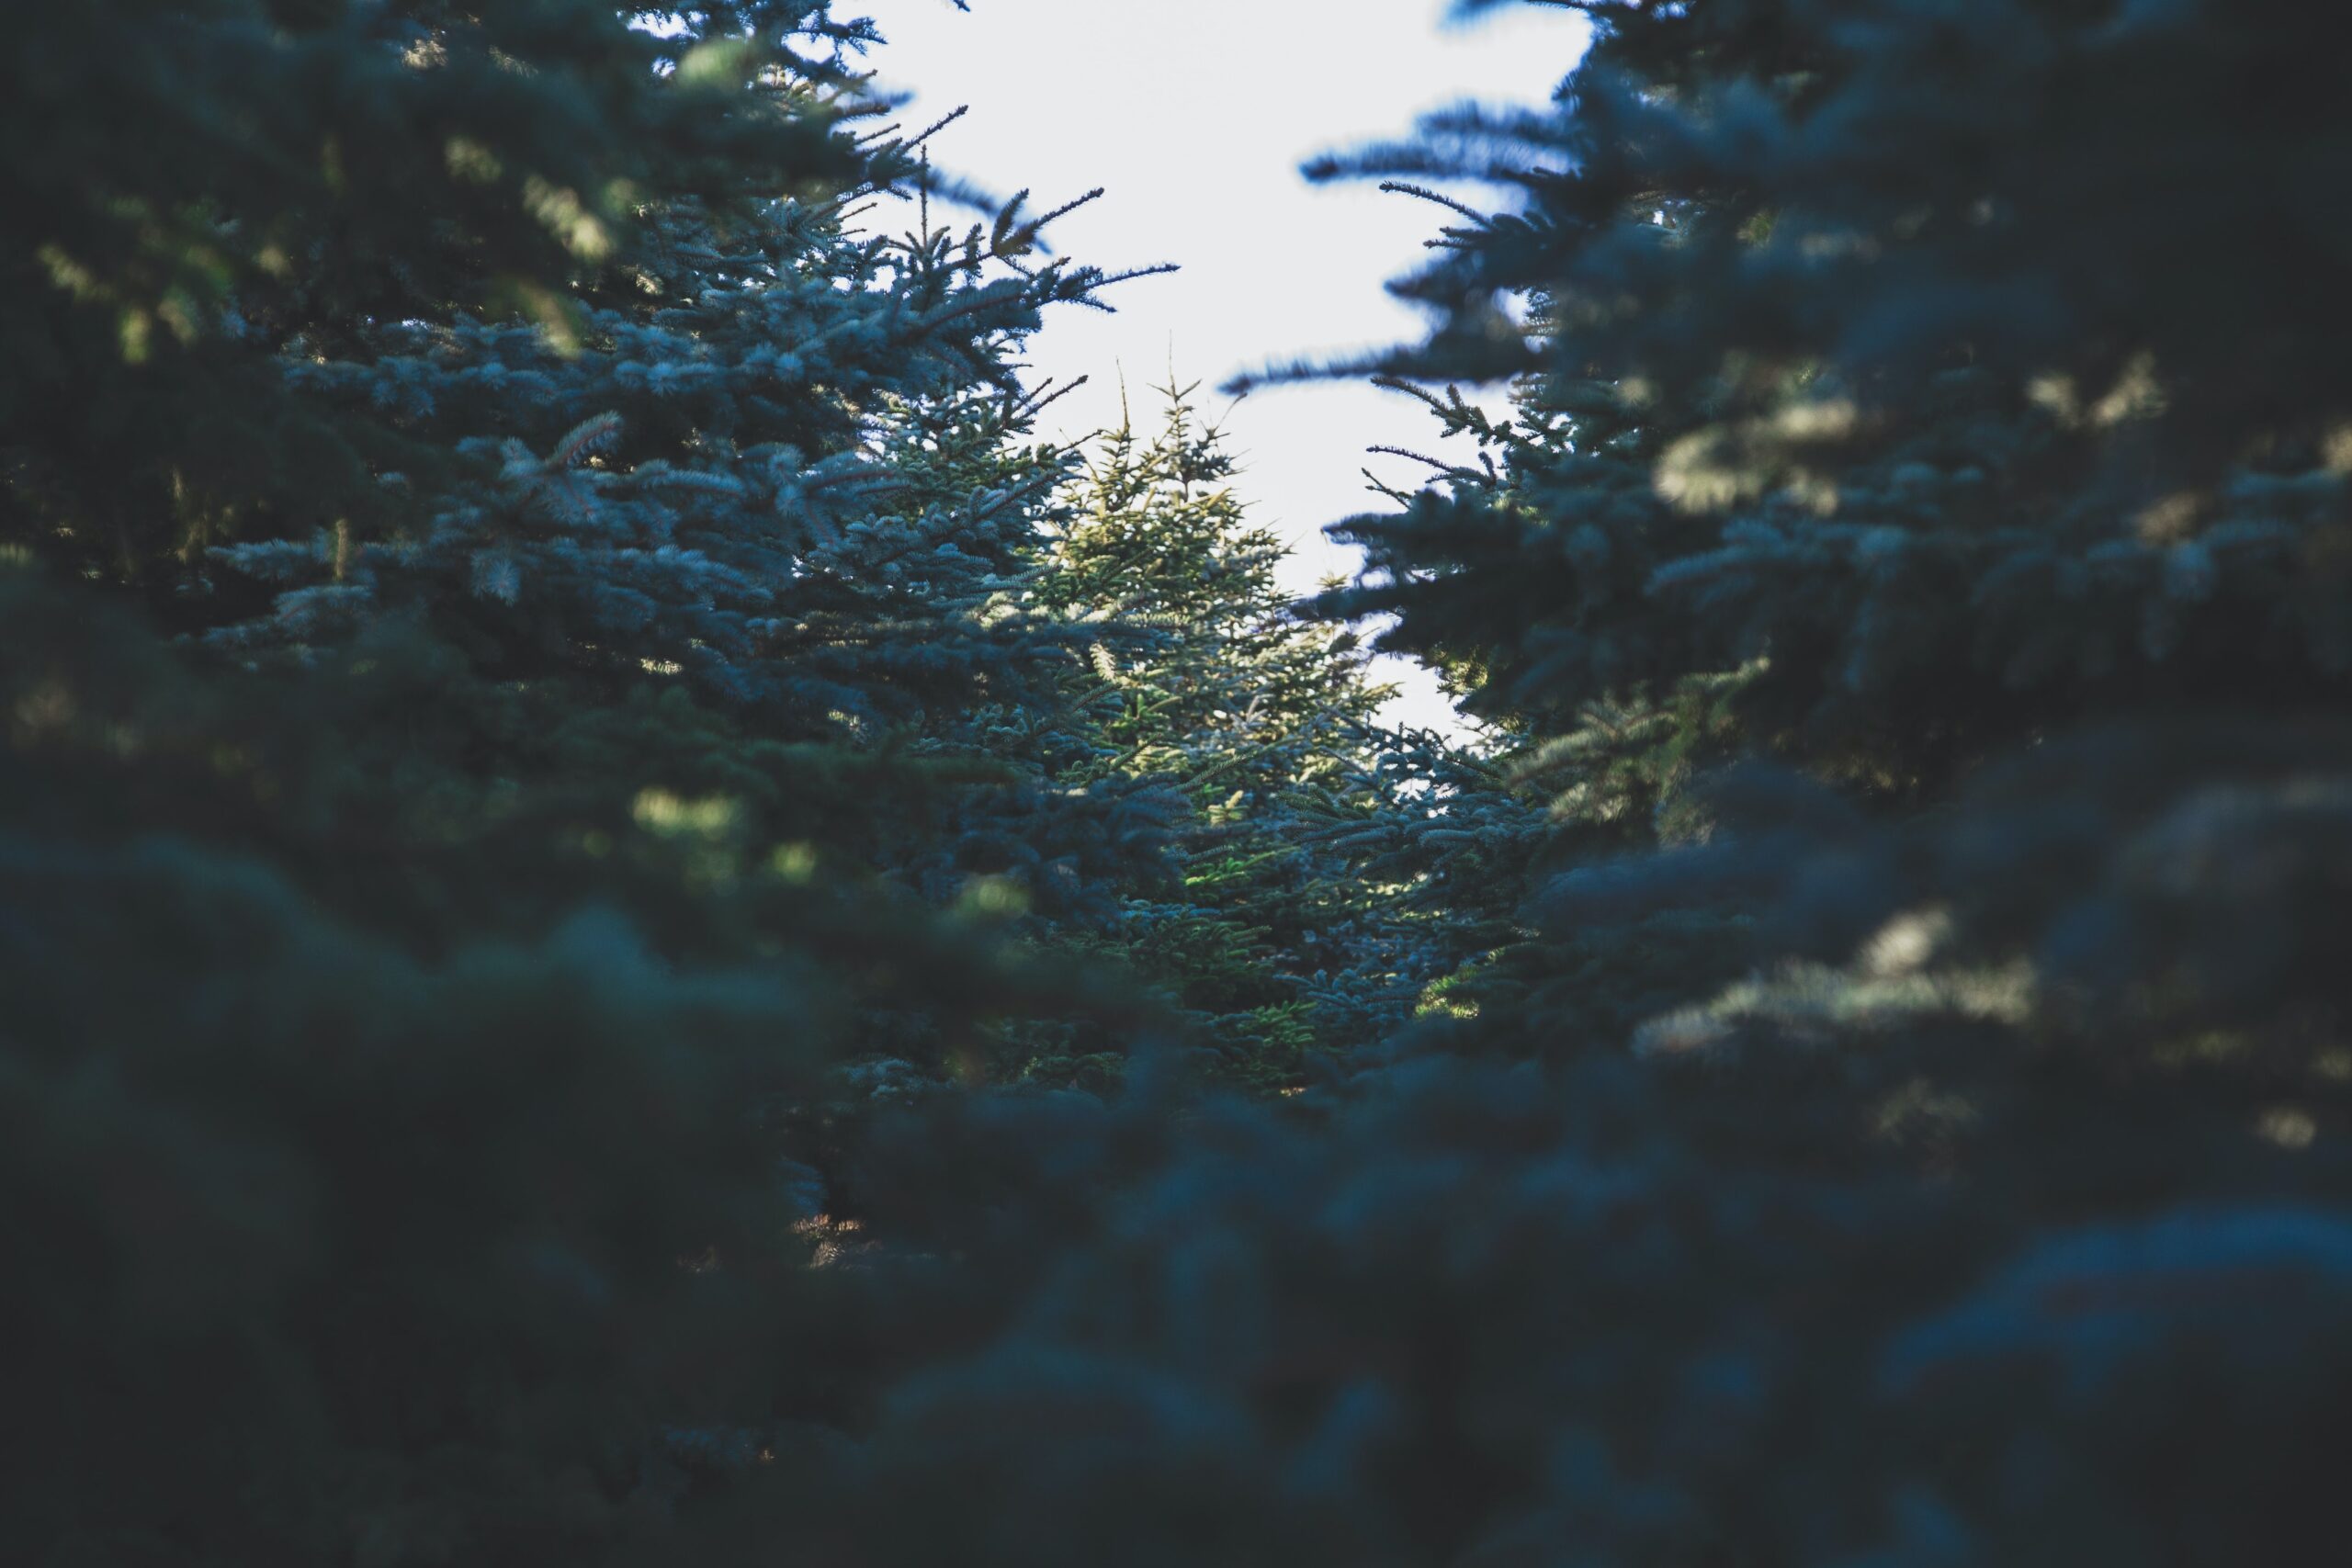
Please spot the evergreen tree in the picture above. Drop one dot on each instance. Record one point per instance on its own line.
(504, 582)
(1286, 940)
(1913, 576)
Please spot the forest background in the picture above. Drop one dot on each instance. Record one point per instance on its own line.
(640, 923)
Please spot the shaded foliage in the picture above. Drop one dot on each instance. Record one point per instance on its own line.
(1907, 1126)
(553, 1011)
(542, 575)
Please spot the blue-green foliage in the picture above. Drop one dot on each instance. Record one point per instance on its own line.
(1907, 1126)
(506, 590)
(478, 1085)
(703, 479)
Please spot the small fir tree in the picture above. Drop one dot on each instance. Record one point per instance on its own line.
(1300, 928)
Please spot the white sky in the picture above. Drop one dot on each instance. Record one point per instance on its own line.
(1196, 114)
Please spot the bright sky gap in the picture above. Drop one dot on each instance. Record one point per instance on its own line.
(1196, 117)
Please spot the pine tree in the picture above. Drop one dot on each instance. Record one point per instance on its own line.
(1915, 577)
(1302, 926)
(506, 582)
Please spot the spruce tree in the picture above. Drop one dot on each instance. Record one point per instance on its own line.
(1285, 940)
(504, 582)
(1913, 574)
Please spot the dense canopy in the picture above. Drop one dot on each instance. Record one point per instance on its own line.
(638, 926)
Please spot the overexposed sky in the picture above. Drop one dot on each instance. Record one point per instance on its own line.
(1196, 114)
